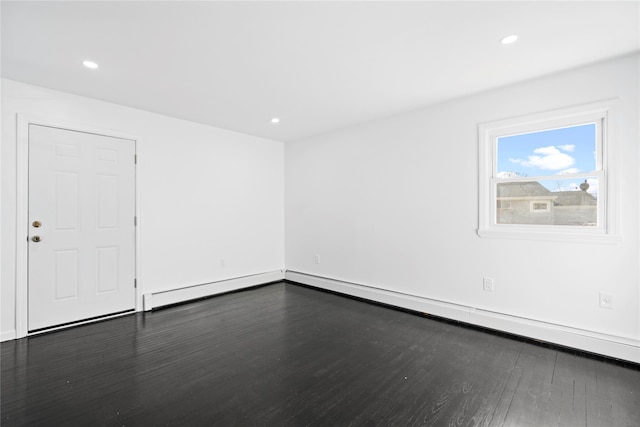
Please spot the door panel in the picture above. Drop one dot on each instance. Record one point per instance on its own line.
(82, 191)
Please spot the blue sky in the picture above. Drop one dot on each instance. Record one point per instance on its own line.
(548, 153)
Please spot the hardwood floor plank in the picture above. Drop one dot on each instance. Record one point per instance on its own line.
(286, 355)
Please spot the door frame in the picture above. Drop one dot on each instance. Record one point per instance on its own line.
(22, 208)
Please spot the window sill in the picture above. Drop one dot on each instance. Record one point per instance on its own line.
(550, 235)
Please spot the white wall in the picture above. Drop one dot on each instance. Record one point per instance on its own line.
(392, 206)
(207, 194)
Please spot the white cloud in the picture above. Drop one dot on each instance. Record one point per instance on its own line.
(551, 159)
(507, 174)
(546, 150)
(567, 147)
(570, 170)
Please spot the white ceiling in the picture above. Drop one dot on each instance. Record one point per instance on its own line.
(319, 66)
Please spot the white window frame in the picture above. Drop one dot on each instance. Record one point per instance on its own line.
(606, 165)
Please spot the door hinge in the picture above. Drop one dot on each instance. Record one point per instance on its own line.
(135, 221)
(135, 283)
(135, 159)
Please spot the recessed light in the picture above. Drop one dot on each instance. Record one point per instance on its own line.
(509, 39)
(275, 120)
(90, 64)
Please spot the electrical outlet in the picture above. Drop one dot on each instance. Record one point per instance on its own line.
(223, 263)
(606, 300)
(317, 259)
(487, 284)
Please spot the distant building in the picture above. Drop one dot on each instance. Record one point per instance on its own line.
(532, 203)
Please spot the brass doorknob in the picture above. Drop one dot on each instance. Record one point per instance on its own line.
(36, 224)
(36, 239)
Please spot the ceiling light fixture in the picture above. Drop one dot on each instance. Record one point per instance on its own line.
(275, 120)
(509, 39)
(90, 64)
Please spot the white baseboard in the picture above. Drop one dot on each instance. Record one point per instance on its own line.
(174, 296)
(8, 335)
(595, 342)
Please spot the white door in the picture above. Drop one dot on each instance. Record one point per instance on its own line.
(81, 226)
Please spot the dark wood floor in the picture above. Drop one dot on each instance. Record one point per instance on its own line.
(285, 355)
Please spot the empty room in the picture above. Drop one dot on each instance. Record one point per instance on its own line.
(320, 213)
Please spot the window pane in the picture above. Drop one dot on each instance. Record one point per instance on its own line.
(550, 152)
(548, 202)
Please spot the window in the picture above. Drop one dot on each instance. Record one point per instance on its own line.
(547, 175)
(540, 207)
